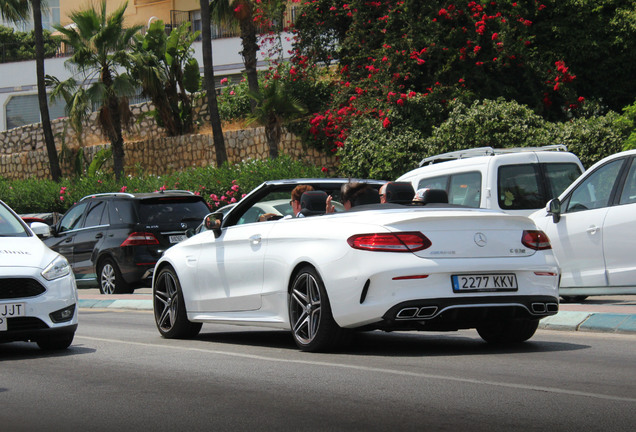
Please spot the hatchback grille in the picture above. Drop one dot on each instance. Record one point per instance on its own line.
(12, 288)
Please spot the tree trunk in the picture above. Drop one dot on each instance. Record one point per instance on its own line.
(272, 133)
(249, 53)
(208, 72)
(49, 140)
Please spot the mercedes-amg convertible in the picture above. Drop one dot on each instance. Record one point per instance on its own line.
(389, 266)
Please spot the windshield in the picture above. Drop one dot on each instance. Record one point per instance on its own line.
(10, 226)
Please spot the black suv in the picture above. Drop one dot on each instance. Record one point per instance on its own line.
(114, 239)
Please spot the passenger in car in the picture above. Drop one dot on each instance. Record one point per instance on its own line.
(357, 193)
(296, 200)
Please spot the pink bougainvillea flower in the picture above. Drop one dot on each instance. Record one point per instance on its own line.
(224, 81)
(323, 169)
(386, 122)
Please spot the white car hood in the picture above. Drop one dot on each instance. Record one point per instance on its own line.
(24, 252)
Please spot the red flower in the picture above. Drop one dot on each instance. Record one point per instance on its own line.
(386, 122)
(495, 36)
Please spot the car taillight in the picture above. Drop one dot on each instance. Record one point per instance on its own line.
(390, 242)
(535, 239)
(140, 239)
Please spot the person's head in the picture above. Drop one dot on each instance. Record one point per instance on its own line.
(354, 193)
(383, 193)
(295, 197)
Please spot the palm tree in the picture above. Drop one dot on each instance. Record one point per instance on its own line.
(168, 74)
(274, 108)
(15, 11)
(101, 52)
(241, 12)
(210, 90)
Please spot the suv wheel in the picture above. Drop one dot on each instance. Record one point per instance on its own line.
(110, 278)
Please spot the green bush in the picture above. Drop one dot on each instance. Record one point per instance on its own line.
(234, 101)
(228, 181)
(373, 151)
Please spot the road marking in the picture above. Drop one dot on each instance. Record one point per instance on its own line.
(554, 390)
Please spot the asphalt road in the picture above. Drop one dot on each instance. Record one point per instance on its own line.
(120, 375)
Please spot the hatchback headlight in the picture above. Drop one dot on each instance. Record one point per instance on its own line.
(58, 268)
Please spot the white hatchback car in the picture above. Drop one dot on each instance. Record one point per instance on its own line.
(592, 228)
(518, 181)
(38, 296)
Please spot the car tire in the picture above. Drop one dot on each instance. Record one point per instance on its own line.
(170, 312)
(54, 343)
(311, 320)
(110, 279)
(508, 331)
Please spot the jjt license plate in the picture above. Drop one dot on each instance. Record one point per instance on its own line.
(10, 310)
(484, 282)
(176, 238)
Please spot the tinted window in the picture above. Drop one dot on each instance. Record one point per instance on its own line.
(559, 176)
(629, 190)
(518, 187)
(171, 210)
(462, 189)
(465, 189)
(121, 212)
(440, 182)
(94, 214)
(72, 218)
(595, 191)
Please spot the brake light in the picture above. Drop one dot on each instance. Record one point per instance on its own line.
(390, 242)
(140, 239)
(535, 239)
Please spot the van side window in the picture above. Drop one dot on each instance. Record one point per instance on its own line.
(518, 187)
(559, 177)
(465, 189)
(462, 189)
(94, 214)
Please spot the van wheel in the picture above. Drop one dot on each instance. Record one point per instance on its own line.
(110, 278)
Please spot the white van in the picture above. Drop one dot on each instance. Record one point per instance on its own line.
(515, 180)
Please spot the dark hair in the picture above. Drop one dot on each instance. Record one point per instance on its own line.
(358, 193)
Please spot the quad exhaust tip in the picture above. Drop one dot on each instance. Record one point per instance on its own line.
(540, 308)
(416, 312)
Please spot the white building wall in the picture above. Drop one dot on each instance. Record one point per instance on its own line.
(19, 78)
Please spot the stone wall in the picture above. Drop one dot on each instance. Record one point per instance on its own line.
(23, 152)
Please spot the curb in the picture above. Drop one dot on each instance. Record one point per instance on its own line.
(564, 320)
(590, 322)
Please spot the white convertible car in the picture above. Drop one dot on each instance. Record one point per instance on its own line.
(435, 267)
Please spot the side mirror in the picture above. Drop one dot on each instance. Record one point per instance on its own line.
(40, 229)
(212, 222)
(190, 232)
(554, 208)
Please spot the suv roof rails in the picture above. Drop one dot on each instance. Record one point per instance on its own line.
(129, 195)
(123, 194)
(487, 151)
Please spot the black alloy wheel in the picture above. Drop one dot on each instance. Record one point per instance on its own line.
(170, 313)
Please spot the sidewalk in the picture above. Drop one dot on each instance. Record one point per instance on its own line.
(609, 314)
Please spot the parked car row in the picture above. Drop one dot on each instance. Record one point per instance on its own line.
(447, 264)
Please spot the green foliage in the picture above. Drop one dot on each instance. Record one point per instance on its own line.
(18, 46)
(593, 138)
(234, 100)
(497, 124)
(373, 151)
(627, 122)
(102, 156)
(227, 181)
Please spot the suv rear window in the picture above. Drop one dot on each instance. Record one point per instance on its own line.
(520, 187)
(171, 210)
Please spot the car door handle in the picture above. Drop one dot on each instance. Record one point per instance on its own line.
(593, 229)
(99, 235)
(255, 239)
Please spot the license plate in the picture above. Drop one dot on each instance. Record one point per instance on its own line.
(484, 282)
(10, 310)
(176, 238)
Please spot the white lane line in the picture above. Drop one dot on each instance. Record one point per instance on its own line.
(554, 390)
